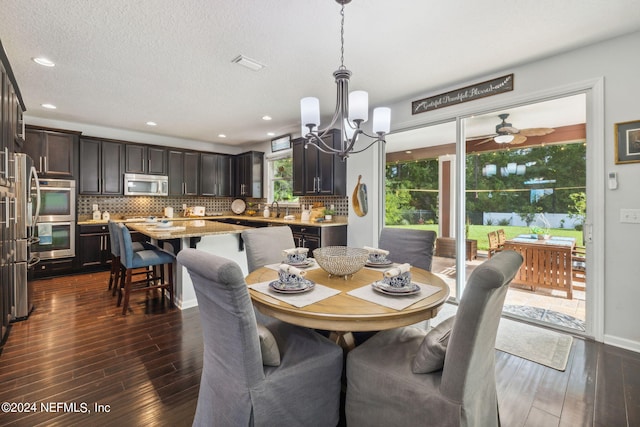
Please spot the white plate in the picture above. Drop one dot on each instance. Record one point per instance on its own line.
(165, 224)
(238, 206)
(388, 290)
(305, 286)
(307, 263)
(384, 264)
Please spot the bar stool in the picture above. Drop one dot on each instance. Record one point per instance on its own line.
(116, 267)
(131, 260)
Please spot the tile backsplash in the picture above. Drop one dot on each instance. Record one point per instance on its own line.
(143, 206)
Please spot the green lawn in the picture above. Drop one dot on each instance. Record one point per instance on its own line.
(479, 232)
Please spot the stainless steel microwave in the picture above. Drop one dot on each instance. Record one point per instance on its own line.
(136, 184)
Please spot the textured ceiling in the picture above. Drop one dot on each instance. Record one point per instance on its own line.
(121, 63)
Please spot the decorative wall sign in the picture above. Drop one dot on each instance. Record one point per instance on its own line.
(469, 93)
(281, 143)
(628, 142)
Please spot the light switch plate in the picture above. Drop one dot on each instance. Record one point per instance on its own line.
(631, 216)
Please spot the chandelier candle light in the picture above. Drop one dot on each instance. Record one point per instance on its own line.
(352, 110)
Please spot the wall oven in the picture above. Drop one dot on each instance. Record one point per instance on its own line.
(56, 225)
(57, 200)
(56, 240)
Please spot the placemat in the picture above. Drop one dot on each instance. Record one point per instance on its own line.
(276, 267)
(399, 302)
(318, 293)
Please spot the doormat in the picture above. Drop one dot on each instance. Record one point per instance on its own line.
(539, 345)
(548, 348)
(546, 315)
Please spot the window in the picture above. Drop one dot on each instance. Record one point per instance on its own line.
(280, 170)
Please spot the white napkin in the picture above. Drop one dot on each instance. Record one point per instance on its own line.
(292, 270)
(295, 251)
(396, 271)
(45, 234)
(376, 250)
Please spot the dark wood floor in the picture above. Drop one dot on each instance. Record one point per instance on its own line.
(77, 348)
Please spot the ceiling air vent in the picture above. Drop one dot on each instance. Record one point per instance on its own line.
(249, 63)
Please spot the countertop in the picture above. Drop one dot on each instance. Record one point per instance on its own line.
(337, 221)
(188, 228)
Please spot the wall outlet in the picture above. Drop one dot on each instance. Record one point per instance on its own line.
(631, 216)
(95, 207)
(184, 206)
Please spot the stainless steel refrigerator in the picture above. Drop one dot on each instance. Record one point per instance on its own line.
(7, 221)
(27, 208)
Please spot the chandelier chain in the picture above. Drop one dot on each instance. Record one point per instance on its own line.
(342, 67)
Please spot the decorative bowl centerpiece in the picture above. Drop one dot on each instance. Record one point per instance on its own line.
(341, 260)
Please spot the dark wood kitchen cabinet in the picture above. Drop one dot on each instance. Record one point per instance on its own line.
(101, 166)
(306, 236)
(215, 174)
(94, 248)
(52, 152)
(248, 174)
(184, 173)
(318, 173)
(298, 157)
(145, 159)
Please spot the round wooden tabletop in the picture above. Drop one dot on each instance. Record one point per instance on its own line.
(346, 313)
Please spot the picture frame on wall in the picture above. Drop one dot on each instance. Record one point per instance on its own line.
(627, 142)
(281, 143)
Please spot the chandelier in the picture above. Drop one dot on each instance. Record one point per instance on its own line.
(352, 110)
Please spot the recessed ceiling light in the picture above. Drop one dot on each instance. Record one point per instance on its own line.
(271, 134)
(266, 118)
(222, 135)
(249, 63)
(49, 106)
(43, 61)
(152, 124)
(408, 151)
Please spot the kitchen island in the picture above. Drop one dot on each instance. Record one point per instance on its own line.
(214, 237)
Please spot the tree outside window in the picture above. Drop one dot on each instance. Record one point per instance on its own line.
(281, 180)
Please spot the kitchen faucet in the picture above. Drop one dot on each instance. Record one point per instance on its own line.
(275, 202)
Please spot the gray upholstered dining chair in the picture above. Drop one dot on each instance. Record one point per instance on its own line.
(265, 245)
(412, 246)
(266, 374)
(443, 377)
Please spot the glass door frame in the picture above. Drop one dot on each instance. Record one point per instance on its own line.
(594, 224)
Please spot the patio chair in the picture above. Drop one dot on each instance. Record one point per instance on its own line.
(257, 374)
(501, 237)
(579, 261)
(443, 377)
(494, 244)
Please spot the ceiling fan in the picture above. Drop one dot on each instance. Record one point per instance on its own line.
(507, 134)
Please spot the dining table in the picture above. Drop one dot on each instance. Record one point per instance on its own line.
(343, 306)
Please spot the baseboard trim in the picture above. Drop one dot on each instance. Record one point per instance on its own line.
(622, 343)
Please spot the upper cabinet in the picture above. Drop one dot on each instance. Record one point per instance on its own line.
(52, 152)
(101, 165)
(184, 173)
(318, 173)
(248, 174)
(215, 174)
(145, 159)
